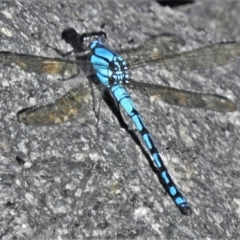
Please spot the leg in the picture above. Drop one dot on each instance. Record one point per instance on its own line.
(62, 54)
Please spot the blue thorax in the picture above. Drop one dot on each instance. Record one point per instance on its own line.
(110, 67)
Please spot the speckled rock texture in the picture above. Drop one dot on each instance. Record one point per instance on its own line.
(93, 181)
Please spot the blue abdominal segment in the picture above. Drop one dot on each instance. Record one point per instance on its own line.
(126, 102)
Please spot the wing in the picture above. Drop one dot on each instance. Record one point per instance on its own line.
(165, 43)
(38, 64)
(185, 98)
(197, 59)
(78, 102)
(65, 67)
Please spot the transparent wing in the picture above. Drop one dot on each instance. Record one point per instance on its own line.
(201, 58)
(184, 98)
(197, 59)
(77, 103)
(163, 44)
(39, 64)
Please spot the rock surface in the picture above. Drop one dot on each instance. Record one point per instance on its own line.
(86, 181)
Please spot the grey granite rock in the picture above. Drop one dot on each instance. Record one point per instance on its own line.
(86, 181)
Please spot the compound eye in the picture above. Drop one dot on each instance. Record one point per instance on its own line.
(69, 34)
